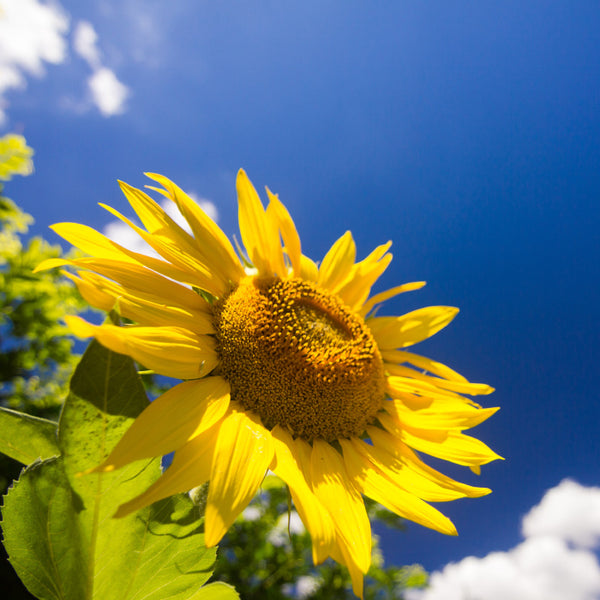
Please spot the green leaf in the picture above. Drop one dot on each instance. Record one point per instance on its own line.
(155, 554)
(26, 438)
(216, 591)
(41, 534)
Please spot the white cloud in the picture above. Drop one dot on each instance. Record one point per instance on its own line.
(108, 93)
(555, 562)
(31, 34)
(85, 43)
(570, 512)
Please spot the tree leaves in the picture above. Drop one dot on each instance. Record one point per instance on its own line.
(36, 351)
(15, 156)
(58, 526)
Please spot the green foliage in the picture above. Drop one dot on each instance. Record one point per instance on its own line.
(58, 526)
(266, 557)
(15, 156)
(36, 353)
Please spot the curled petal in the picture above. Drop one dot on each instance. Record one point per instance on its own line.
(291, 240)
(170, 351)
(411, 328)
(383, 296)
(381, 486)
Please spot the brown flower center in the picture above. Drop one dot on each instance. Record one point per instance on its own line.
(299, 358)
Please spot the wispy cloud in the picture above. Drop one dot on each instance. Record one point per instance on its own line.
(85, 43)
(556, 560)
(31, 34)
(106, 91)
(144, 28)
(35, 34)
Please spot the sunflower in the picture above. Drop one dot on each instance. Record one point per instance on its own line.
(285, 367)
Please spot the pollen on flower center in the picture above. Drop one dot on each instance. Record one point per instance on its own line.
(299, 358)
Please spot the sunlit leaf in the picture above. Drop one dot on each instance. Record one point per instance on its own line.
(41, 534)
(26, 438)
(155, 554)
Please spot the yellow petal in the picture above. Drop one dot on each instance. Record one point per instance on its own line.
(373, 482)
(144, 308)
(363, 276)
(153, 217)
(383, 296)
(414, 393)
(308, 269)
(454, 447)
(340, 554)
(422, 362)
(208, 234)
(92, 242)
(260, 237)
(413, 327)
(91, 294)
(422, 480)
(311, 511)
(442, 414)
(51, 263)
(243, 453)
(462, 387)
(180, 252)
(189, 469)
(291, 240)
(136, 277)
(169, 351)
(170, 421)
(335, 490)
(338, 262)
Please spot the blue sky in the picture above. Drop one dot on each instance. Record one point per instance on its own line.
(466, 132)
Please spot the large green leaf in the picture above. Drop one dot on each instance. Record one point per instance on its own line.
(26, 438)
(155, 554)
(41, 534)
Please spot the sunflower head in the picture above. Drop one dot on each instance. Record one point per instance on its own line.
(284, 367)
(321, 373)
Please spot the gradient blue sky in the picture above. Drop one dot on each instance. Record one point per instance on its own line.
(466, 132)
